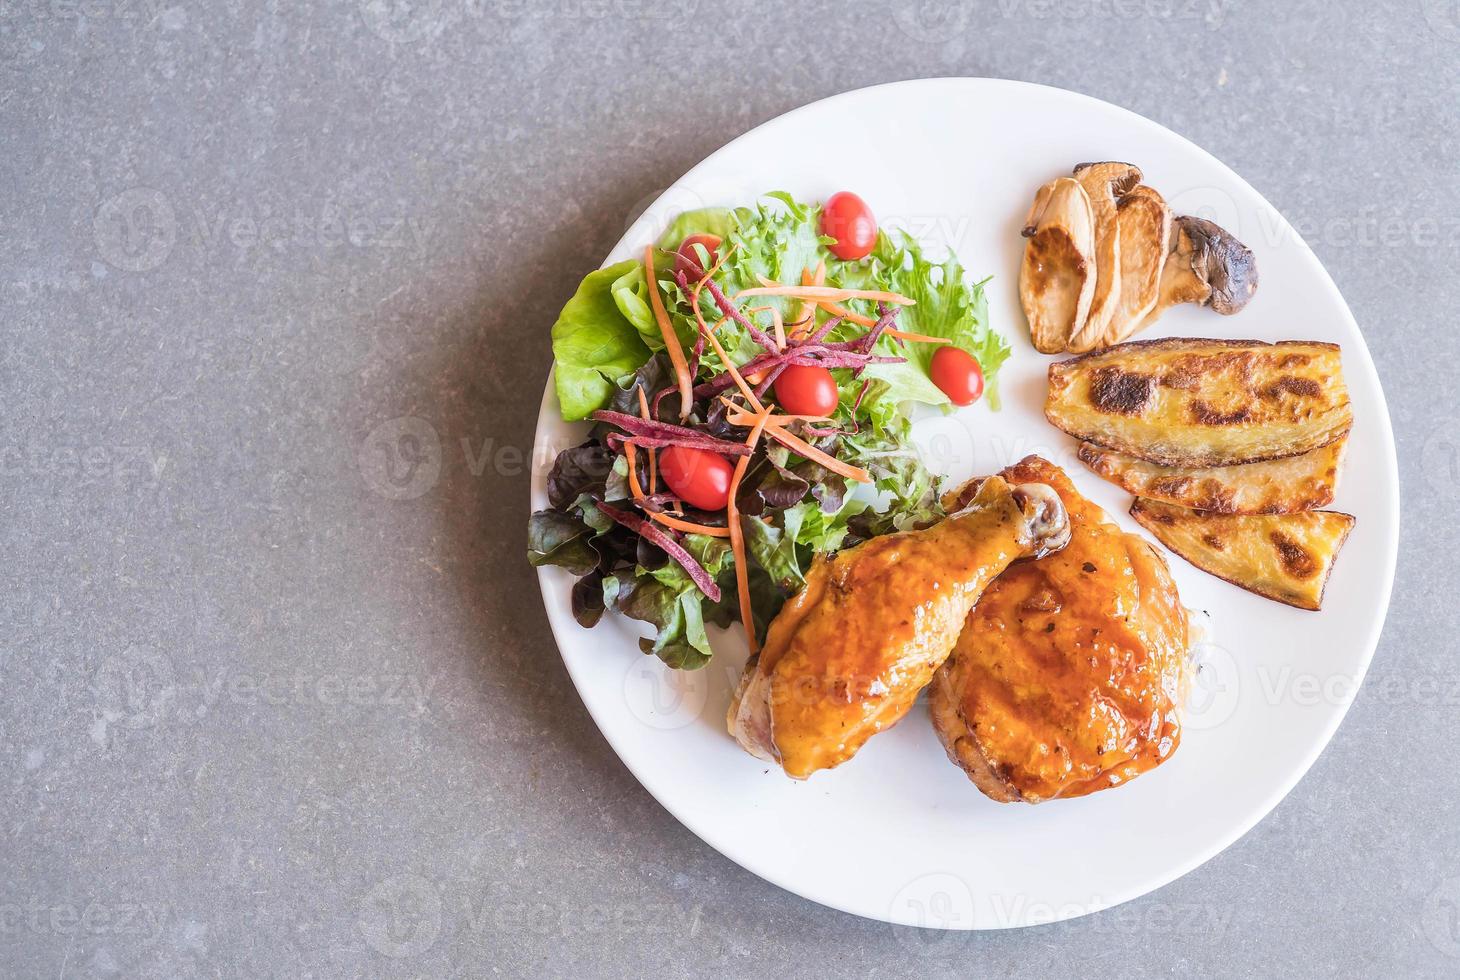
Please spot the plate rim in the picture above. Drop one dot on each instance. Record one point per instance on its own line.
(1385, 432)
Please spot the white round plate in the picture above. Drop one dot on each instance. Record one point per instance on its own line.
(898, 833)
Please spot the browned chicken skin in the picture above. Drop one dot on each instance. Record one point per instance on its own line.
(847, 657)
(1069, 673)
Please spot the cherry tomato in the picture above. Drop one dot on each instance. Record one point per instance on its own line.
(956, 373)
(847, 218)
(806, 390)
(698, 477)
(687, 260)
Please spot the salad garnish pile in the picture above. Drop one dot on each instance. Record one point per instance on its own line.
(743, 377)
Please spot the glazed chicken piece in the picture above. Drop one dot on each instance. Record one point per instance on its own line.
(846, 657)
(1070, 672)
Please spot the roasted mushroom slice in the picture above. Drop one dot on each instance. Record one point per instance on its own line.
(1205, 265)
(1223, 262)
(1105, 184)
(1057, 279)
(1144, 225)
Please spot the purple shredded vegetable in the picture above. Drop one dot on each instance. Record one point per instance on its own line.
(652, 434)
(822, 331)
(814, 355)
(769, 379)
(663, 539)
(728, 308)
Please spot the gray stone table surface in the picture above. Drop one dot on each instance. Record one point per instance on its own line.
(260, 718)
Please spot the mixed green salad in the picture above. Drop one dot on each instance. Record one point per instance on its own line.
(744, 377)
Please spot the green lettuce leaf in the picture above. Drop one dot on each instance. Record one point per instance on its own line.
(631, 296)
(946, 305)
(702, 221)
(776, 241)
(594, 345)
(773, 550)
(667, 599)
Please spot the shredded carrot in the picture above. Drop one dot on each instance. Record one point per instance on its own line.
(671, 339)
(737, 536)
(688, 527)
(806, 316)
(776, 319)
(709, 333)
(827, 293)
(775, 426)
(653, 462)
(916, 338)
(635, 487)
(742, 417)
(729, 364)
(802, 448)
(835, 309)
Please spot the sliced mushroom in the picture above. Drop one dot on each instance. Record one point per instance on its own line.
(1057, 279)
(1105, 184)
(1205, 265)
(1144, 224)
(1224, 263)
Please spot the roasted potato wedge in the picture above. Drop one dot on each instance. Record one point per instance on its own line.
(1274, 486)
(1144, 225)
(1286, 557)
(1198, 403)
(1057, 278)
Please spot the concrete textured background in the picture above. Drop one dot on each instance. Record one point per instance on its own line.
(279, 698)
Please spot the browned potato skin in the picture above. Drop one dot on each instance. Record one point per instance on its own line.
(1275, 486)
(1195, 403)
(847, 657)
(1069, 673)
(1284, 557)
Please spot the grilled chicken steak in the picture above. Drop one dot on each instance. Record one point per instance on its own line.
(846, 658)
(1069, 673)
